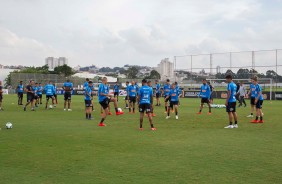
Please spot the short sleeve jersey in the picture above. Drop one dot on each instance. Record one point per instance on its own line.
(68, 86)
(253, 90)
(158, 88)
(145, 93)
(166, 89)
(29, 88)
(102, 89)
(49, 89)
(132, 91)
(173, 95)
(39, 90)
(205, 91)
(232, 88)
(116, 88)
(87, 93)
(20, 88)
(257, 91)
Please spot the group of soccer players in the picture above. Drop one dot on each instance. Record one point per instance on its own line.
(143, 96)
(35, 90)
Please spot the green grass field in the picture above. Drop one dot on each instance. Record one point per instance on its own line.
(53, 146)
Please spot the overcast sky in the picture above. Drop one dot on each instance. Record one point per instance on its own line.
(118, 32)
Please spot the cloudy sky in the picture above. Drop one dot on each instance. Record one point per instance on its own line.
(118, 32)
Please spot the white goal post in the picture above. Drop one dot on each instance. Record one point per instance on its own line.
(264, 82)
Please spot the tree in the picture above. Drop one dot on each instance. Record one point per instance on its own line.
(64, 69)
(243, 73)
(132, 72)
(8, 80)
(154, 75)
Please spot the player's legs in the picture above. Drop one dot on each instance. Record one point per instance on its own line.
(244, 102)
(104, 115)
(209, 105)
(201, 108)
(230, 117)
(47, 100)
(141, 120)
(114, 100)
(130, 105)
(1, 99)
(176, 109)
(133, 106)
(168, 111)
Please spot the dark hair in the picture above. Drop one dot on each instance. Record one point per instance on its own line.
(204, 79)
(90, 82)
(144, 81)
(167, 80)
(87, 79)
(175, 83)
(255, 78)
(228, 76)
(127, 82)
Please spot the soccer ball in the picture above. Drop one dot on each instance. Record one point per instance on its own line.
(50, 107)
(119, 109)
(9, 125)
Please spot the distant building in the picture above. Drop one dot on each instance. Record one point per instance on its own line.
(54, 62)
(166, 69)
(218, 69)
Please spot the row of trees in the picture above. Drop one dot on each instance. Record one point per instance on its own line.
(246, 74)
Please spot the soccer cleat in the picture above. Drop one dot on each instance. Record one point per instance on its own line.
(209, 113)
(229, 126)
(176, 117)
(235, 126)
(69, 110)
(153, 129)
(261, 121)
(154, 115)
(250, 116)
(141, 129)
(119, 113)
(110, 113)
(102, 124)
(254, 121)
(199, 112)
(167, 117)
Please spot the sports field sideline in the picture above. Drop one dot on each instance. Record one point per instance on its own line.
(54, 146)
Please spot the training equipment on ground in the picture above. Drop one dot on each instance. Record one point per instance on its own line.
(218, 106)
(9, 125)
(119, 109)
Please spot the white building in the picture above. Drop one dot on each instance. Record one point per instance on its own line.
(54, 62)
(166, 69)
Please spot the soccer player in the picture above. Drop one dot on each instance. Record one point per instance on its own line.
(104, 99)
(86, 84)
(212, 89)
(35, 89)
(49, 91)
(158, 92)
(132, 97)
(180, 95)
(258, 101)
(252, 94)
(39, 93)
(149, 83)
(55, 101)
(173, 95)
(87, 99)
(1, 96)
(20, 90)
(231, 102)
(145, 96)
(29, 95)
(116, 90)
(205, 94)
(127, 93)
(166, 91)
(242, 93)
(67, 87)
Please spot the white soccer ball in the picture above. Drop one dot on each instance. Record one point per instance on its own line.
(9, 125)
(50, 106)
(119, 109)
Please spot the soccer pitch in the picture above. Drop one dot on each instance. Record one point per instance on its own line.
(53, 146)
